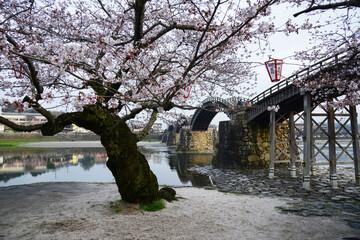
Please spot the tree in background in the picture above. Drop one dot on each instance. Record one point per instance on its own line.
(335, 30)
(109, 61)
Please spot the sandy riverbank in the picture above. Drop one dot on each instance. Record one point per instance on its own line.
(82, 211)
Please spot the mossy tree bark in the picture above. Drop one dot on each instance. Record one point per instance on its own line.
(136, 182)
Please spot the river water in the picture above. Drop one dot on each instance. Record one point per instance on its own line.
(26, 165)
(77, 164)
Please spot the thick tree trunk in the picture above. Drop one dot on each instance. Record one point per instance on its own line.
(135, 181)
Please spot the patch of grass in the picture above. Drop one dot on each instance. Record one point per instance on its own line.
(116, 205)
(154, 206)
(14, 143)
(10, 144)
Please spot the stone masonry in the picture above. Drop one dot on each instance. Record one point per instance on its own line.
(191, 141)
(248, 145)
(196, 141)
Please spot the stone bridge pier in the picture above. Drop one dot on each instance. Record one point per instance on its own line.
(186, 140)
(243, 144)
(196, 141)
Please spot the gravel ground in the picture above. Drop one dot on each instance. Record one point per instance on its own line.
(84, 211)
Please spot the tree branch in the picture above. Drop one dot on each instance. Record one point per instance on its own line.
(50, 129)
(351, 3)
(139, 19)
(40, 109)
(148, 126)
(103, 8)
(172, 27)
(204, 32)
(33, 73)
(238, 30)
(18, 13)
(136, 111)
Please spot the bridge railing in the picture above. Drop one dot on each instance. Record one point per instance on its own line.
(302, 74)
(230, 102)
(235, 100)
(218, 99)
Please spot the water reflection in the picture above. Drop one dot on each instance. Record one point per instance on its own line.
(25, 166)
(176, 164)
(29, 165)
(182, 162)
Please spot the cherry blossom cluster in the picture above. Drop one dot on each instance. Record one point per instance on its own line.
(336, 31)
(274, 108)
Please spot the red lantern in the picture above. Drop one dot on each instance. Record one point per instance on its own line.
(188, 90)
(274, 68)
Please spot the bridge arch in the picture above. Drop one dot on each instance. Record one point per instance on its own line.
(211, 106)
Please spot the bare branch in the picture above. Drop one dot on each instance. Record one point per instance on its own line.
(103, 8)
(52, 128)
(346, 4)
(204, 32)
(175, 26)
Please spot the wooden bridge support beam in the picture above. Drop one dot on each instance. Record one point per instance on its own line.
(332, 147)
(293, 146)
(313, 168)
(272, 145)
(355, 138)
(307, 140)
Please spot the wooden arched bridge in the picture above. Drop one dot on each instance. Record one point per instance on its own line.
(211, 106)
(293, 120)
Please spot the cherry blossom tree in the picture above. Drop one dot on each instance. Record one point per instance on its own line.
(335, 32)
(109, 61)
